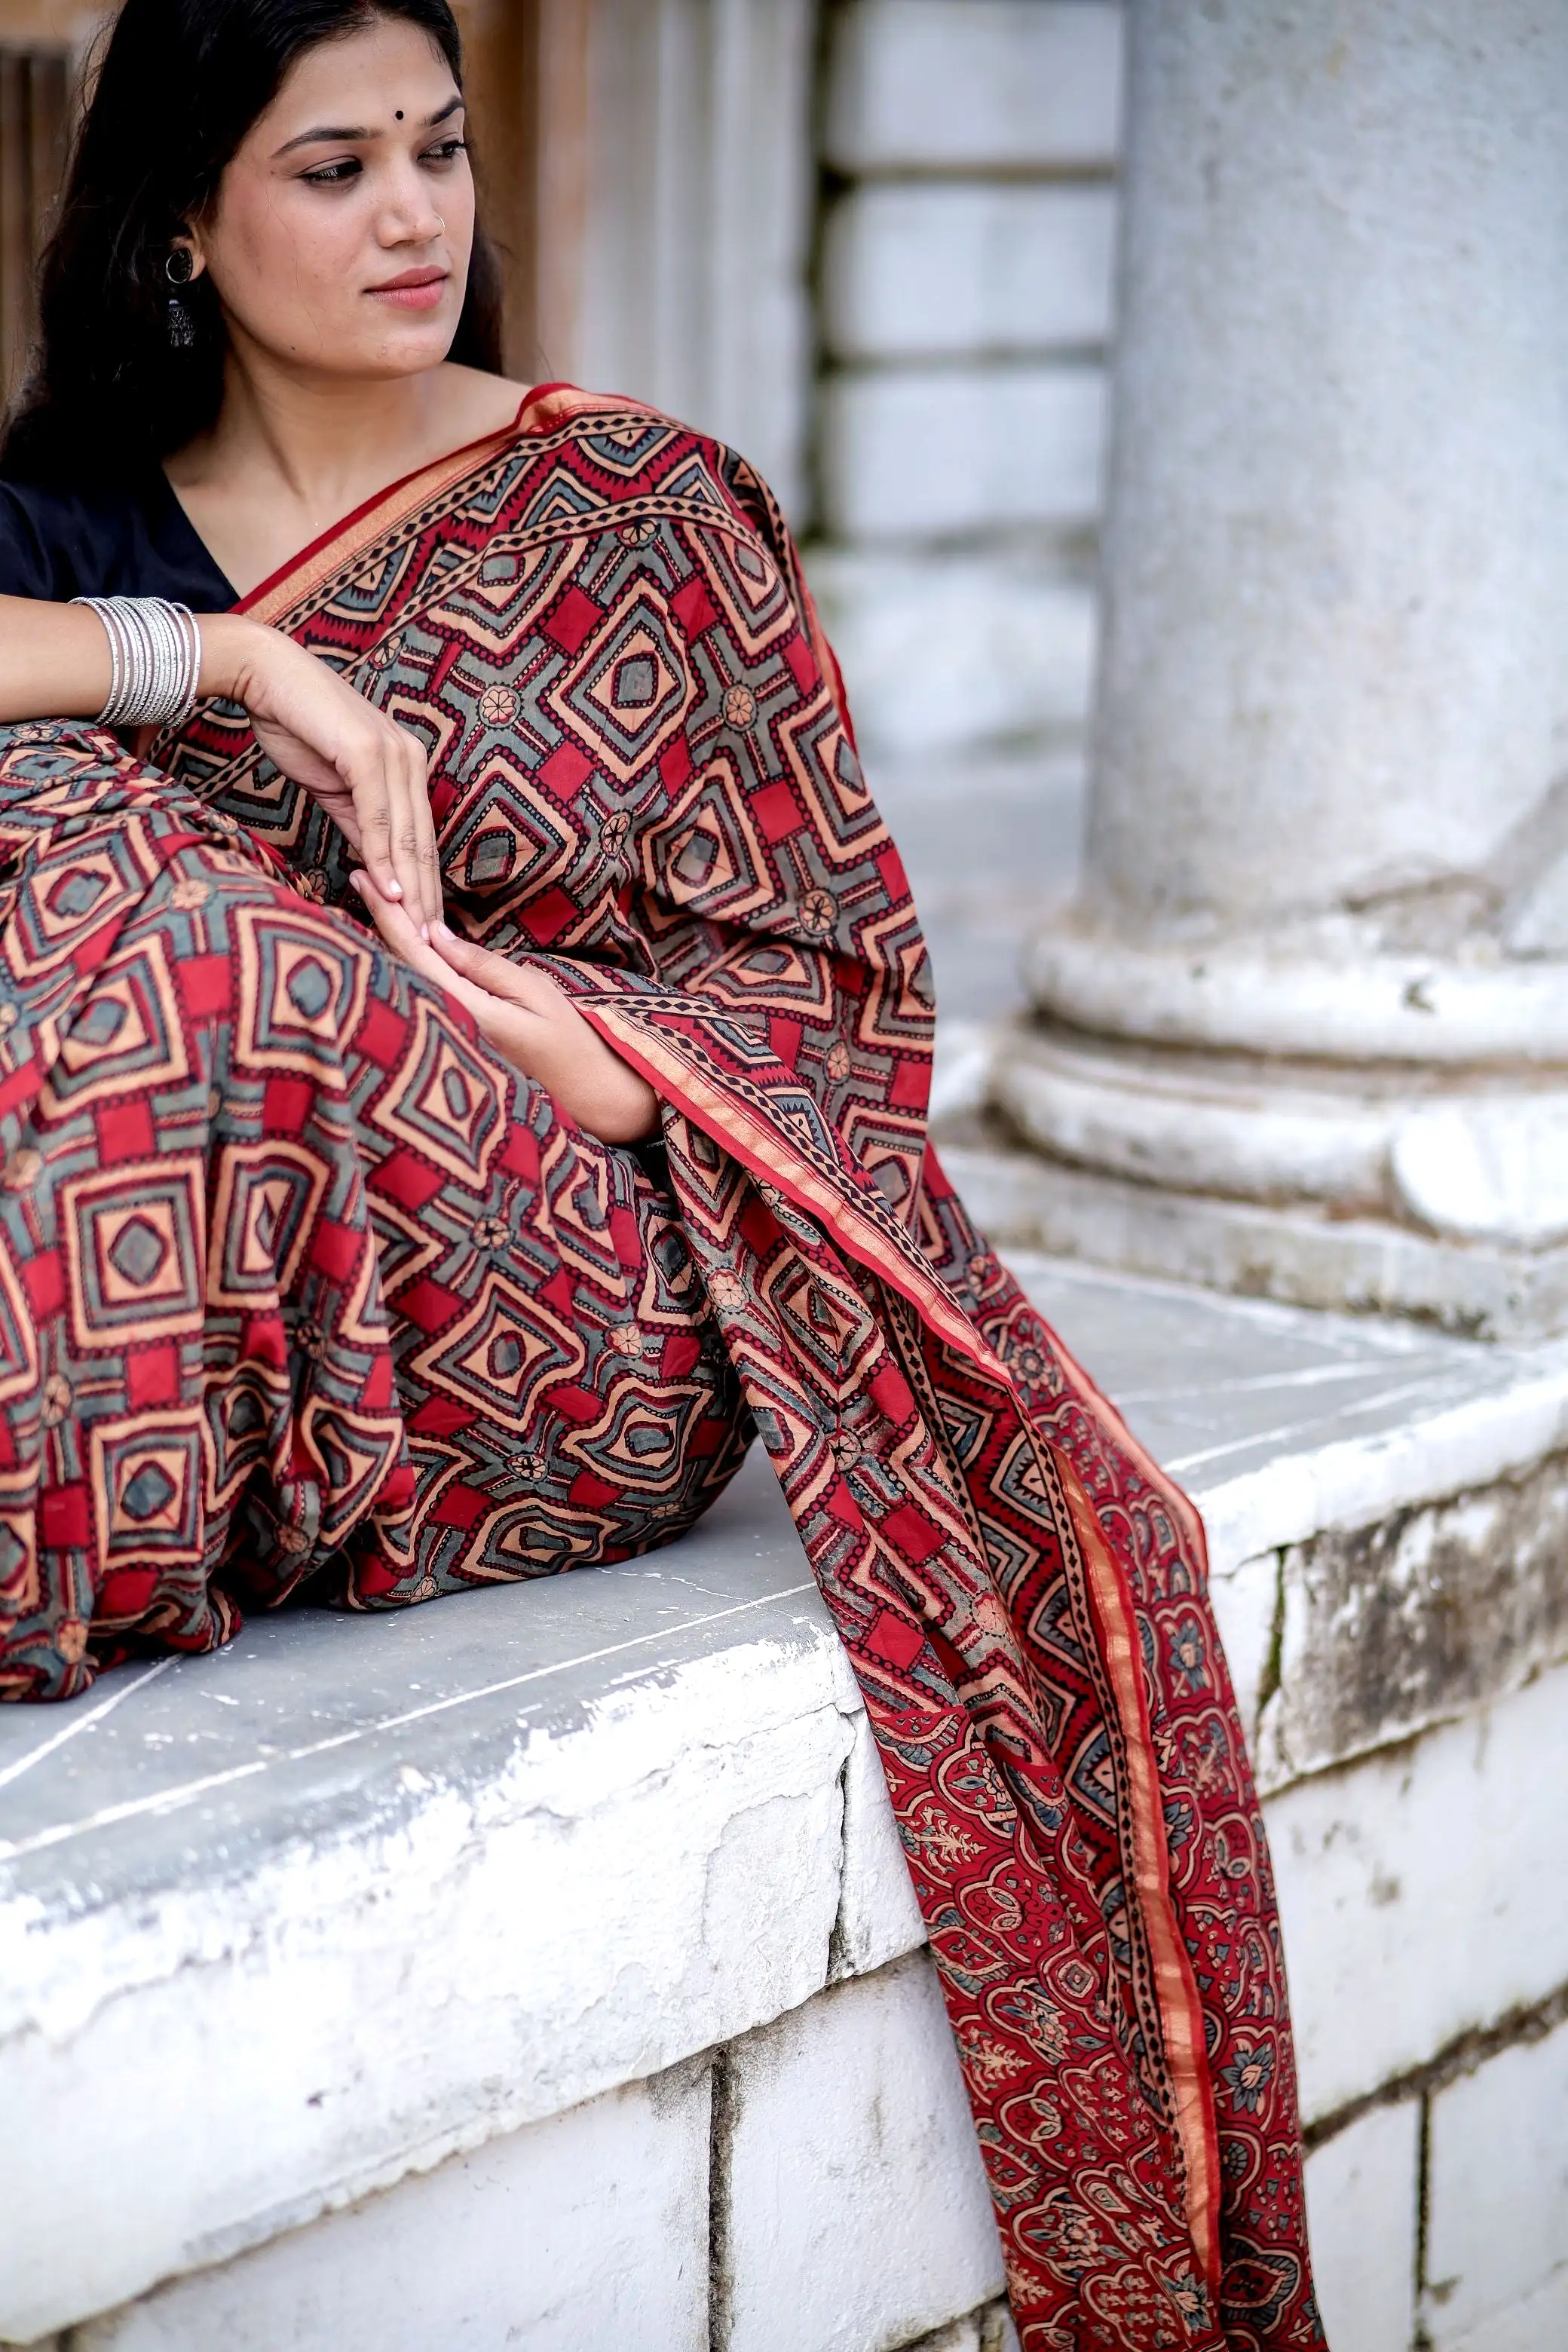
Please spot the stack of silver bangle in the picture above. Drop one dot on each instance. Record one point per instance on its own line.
(155, 652)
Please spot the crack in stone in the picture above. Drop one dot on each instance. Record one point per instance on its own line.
(1527, 2021)
(721, 2154)
(839, 1961)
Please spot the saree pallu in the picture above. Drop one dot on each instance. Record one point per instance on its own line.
(417, 1332)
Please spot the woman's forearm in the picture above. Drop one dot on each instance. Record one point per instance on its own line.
(367, 773)
(55, 658)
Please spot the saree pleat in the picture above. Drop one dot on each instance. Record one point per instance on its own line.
(643, 773)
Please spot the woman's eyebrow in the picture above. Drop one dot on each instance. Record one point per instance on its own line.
(329, 133)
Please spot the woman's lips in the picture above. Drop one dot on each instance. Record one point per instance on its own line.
(417, 290)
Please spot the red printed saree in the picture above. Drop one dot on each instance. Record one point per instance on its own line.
(299, 1287)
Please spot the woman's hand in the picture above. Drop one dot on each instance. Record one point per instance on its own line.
(531, 1022)
(366, 771)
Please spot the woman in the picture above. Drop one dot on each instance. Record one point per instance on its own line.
(372, 1268)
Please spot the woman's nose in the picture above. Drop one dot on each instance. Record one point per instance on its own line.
(408, 214)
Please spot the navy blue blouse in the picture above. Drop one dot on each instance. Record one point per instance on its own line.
(102, 541)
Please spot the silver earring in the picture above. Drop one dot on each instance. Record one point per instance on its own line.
(179, 268)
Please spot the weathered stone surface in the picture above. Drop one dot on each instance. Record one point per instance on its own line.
(1497, 2231)
(858, 2215)
(1389, 1627)
(1411, 1490)
(1537, 2322)
(1009, 82)
(1197, 1123)
(1421, 1892)
(1363, 2196)
(991, 2330)
(1305, 709)
(588, 2230)
(452, 1871)
(1284, 1424)
(878, 1918)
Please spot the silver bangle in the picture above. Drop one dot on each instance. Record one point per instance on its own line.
(155, 658)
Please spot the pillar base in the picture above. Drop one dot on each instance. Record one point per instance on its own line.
(1317, 1119)
(1301, 1255)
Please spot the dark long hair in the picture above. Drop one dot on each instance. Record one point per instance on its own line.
(180, 84)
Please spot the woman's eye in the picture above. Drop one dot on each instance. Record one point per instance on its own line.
(332, 176)
(446, 153)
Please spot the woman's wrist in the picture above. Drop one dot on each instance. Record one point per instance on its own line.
(232, 650)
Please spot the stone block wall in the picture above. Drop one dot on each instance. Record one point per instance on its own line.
(964, 307)
(871, 242)
(1421, 1877)
(813, 2187)
(1420, 1892)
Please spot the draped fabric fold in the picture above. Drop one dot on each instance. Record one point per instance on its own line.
(644, 775)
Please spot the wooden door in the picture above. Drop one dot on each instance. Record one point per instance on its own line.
(527, 71)
(41, 48)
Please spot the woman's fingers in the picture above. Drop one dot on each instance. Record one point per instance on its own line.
(372, 815)
(547, 1040)
(368, 772)
(521, 984)
(394, 918)
(388, 818)
(427, 855)
(384, 773)
(511, 1030)
(389, 788)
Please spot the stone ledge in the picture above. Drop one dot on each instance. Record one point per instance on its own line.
(404, 1902)
(1390, 1629)
(359, 1895)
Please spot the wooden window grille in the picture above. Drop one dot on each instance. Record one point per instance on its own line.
(34, 91)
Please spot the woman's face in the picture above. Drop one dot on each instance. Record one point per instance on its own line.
(341, 236)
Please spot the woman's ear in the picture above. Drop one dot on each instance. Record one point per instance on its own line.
(187, 260)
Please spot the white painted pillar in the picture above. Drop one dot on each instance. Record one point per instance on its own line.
(1317, 977)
